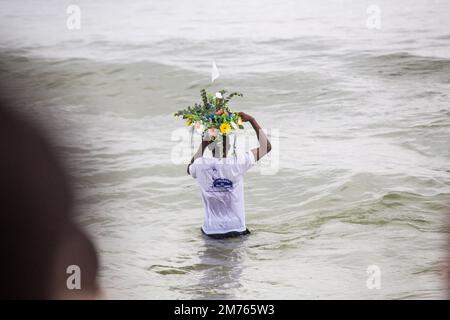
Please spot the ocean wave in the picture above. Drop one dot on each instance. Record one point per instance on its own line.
(400, 64)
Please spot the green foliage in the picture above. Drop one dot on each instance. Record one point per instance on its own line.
(212, 111)
(231, 95)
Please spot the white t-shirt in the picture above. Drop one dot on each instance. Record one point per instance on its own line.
(222, 188)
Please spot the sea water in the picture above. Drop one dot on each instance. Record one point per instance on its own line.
(355, 98)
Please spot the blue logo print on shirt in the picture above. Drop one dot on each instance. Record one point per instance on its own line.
(222, 183)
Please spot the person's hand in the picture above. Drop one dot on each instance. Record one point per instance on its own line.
(245, 117)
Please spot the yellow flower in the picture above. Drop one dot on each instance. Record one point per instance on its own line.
(189, 122)
(225, 128)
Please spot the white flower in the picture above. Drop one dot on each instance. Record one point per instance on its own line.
(218, 95)
(199, 127)
(234, 125)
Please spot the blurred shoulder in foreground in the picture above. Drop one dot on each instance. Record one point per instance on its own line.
(39, 241)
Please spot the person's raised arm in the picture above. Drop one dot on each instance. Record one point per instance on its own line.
(264, 143)
(199, 152)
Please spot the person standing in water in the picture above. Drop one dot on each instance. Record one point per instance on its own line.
(221, 183)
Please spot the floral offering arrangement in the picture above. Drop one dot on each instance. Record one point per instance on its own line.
(213, 115)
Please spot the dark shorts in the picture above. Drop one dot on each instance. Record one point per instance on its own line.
(231, 234)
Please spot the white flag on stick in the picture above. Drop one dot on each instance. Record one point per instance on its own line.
(214, 72)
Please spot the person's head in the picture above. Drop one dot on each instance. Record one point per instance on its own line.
(221, 146)
(38, 237)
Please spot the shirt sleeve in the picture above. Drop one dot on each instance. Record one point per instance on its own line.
(246, 162)
(193, 170)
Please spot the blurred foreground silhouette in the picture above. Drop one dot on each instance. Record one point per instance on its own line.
(39, 239)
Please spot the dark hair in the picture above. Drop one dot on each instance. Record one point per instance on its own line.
(35, 214)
